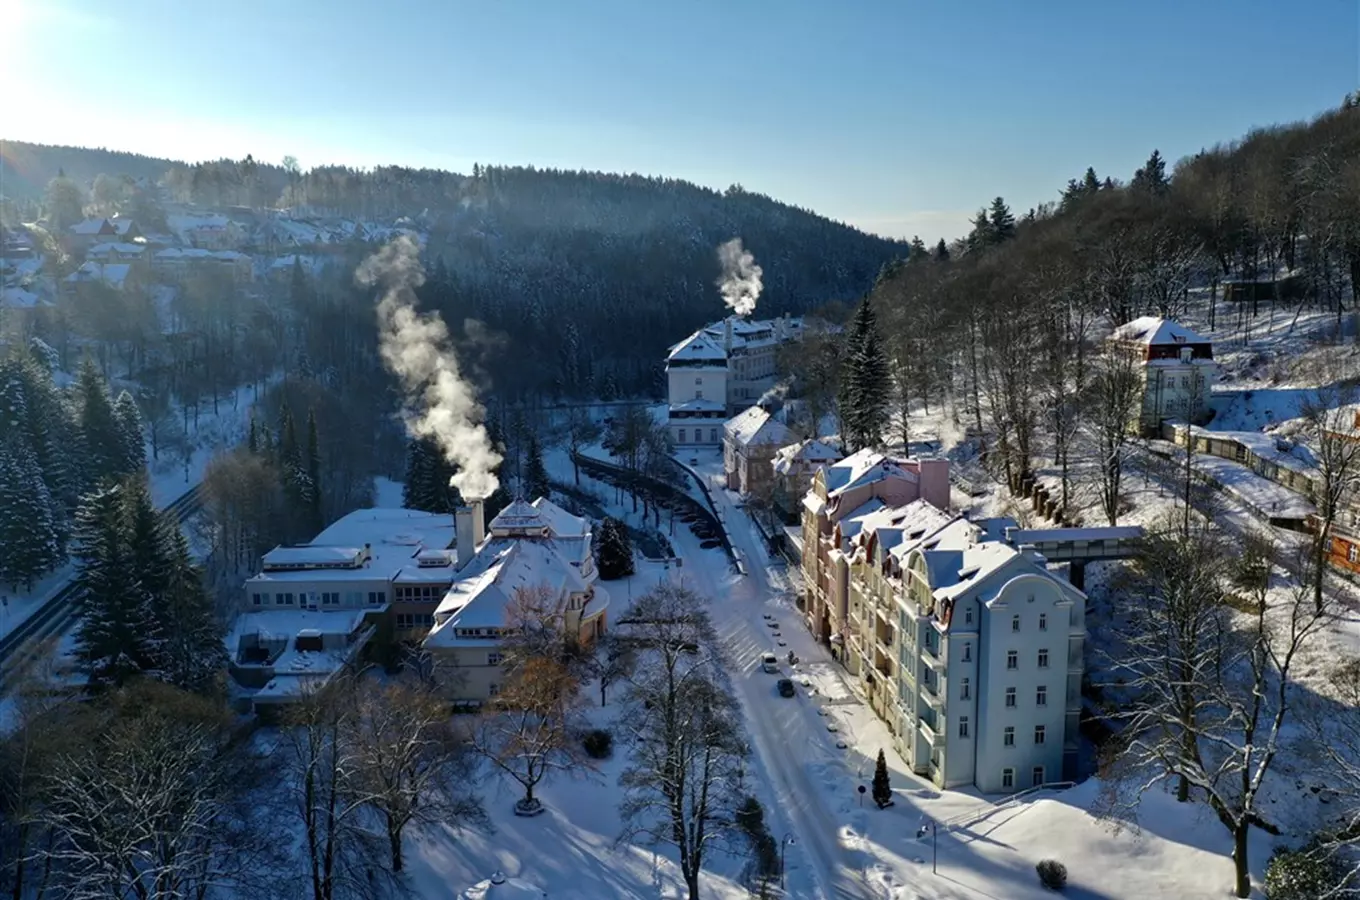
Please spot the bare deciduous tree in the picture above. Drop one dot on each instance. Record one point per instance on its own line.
(1331, 417)
(683, 781)
(1112, 407)
(410, 764)
(531, 733)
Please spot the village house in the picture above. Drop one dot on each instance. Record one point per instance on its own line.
(121, 277)
(534, 554)
(1176, 367)
(859, 484)
(719, 370)
(177, 264)
(313, 609)
(750, 440)
(207, 230)
(967, 647)
(794, 467)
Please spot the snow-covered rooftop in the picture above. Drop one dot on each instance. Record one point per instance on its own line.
(562, 523)
(19, 298)
(393, 538)
(809, 453)
(756, 426)
(90, 227)
(861, 468)
(112, 274)
(698, 347)
(1156, 330)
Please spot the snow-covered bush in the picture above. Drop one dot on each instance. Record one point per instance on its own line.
(1052, 874)
(599, 744)
(1301, 875)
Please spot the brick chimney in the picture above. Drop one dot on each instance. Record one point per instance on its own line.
(469, 530)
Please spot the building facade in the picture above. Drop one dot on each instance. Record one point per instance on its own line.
(750, 441)
(535, 554)
(840, 495)
(1176, 367)
(969, 649)
(720, 370)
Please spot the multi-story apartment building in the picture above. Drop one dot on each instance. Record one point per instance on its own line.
(535, 554)
(719, 370)
(841, 493)
(793, 468)
(1176, 367)
(967, 647)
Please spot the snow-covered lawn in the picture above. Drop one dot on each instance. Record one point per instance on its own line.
(172, 475)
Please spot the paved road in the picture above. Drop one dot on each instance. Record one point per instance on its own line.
(787, 734)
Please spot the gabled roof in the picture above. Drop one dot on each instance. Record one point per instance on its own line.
(864, 467)
(809, 451)
(698, 347)
(481, 595)
(1156, 330)
(756, 426)
(91, 227)
(562, 523)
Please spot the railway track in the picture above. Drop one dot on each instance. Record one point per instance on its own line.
(22, 644)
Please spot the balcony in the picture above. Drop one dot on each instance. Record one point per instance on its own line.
(936, 738)
(931, 655)
(885, 668)
(932, 695)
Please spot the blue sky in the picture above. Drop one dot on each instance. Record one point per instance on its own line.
(900, 116)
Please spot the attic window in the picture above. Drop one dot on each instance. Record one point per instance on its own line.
(916, 535)
(933, 544)
(965, 574)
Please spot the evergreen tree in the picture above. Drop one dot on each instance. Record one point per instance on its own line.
(536, 482)
(882, 786)
(30, 541)
(132, 438)
(148, 534)
(116, 638)
(253, 441)
(428, 474)
(1090, 182)
(1001, 221)
(864, 382)
(192, 656)
(500, 497)
(919, 252)
(1151, 178)
(942, 251)
(101, 435)
(616, 552)
(980, 236)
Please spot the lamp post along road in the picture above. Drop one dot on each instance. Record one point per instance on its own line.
(783, 845)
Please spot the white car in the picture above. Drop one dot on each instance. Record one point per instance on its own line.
(769, 662)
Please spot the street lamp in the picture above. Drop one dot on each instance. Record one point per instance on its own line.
(931, 826)
(783, 844)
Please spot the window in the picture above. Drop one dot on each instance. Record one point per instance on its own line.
(1039, 734)
(283, 599)
(377, 598)
(967, 652)
(713, 435)
(1041, 696)
(1043, 659)
(968, 616)
(403, 620)
(1043, 621)
(493, 659)
(682, 435)
(698, 393)
(1015, 623)
(1012, 659)
(330, 598)
(1010, 697)
(699, 380)
(1352, 553)
(1185, 381)
(1008, 736)
(965, 689)
(963, 726)
(257, 600)
(1037, 776)
(493, 690)
(1007, 779)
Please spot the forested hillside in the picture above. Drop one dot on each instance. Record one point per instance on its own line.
(591, 275)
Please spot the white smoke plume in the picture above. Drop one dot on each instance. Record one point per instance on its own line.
(740, 281)
(440, 403)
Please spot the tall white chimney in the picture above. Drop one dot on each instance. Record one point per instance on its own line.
(727, 335)
(469, 530)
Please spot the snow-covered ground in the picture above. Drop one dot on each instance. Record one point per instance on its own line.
(839, 847)
(172, 475)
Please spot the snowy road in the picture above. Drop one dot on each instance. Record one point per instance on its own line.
(788, 736)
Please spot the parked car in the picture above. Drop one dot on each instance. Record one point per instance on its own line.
(769, 662)
(785, 687)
